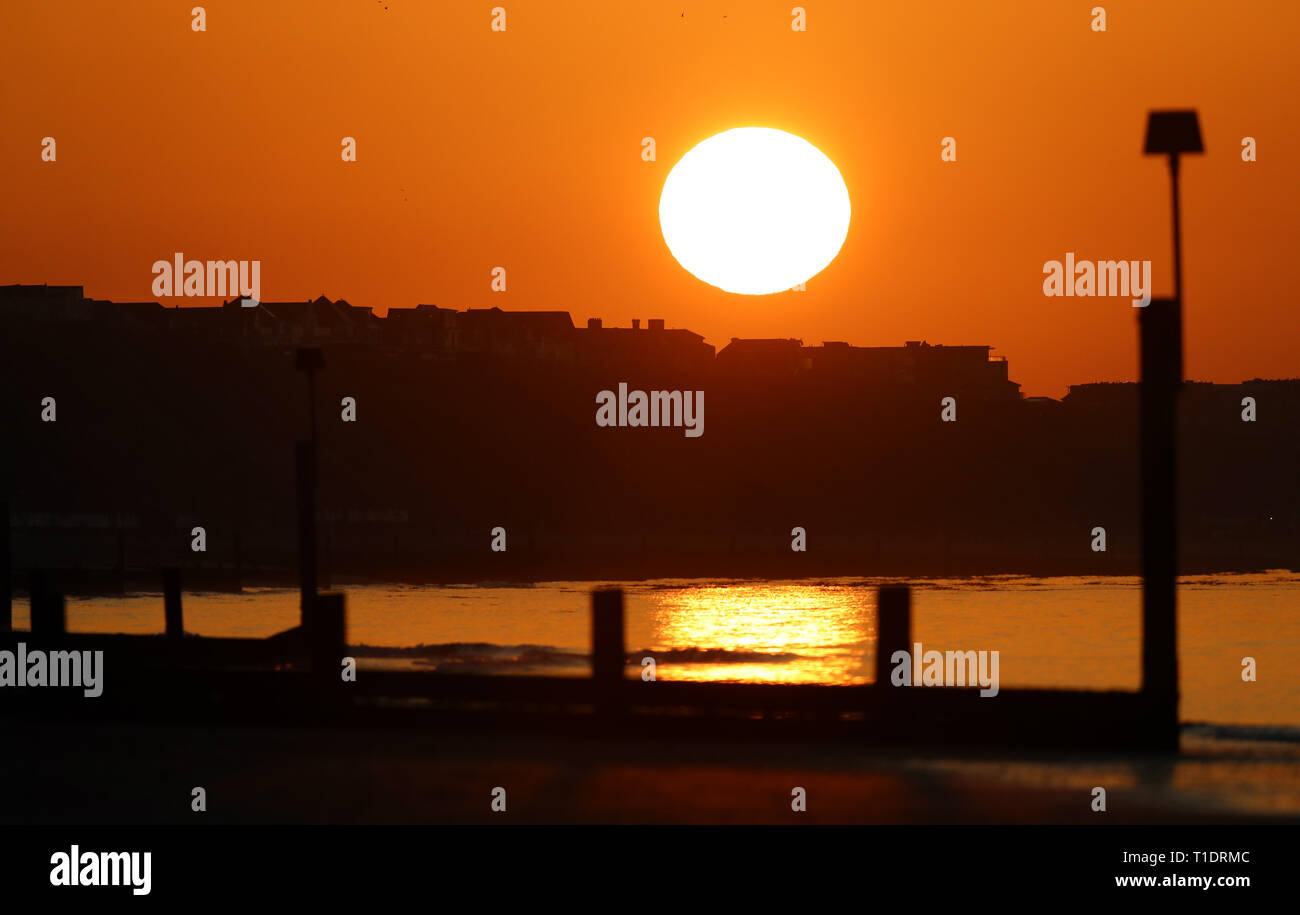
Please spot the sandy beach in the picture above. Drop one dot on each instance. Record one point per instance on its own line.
(127, 774)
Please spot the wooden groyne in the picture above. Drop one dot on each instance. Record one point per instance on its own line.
(295, 678)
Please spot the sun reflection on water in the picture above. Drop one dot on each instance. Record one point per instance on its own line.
(764, 631)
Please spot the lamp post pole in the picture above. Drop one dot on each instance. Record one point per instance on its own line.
(1160, 326)
(1178, 234)
(309, 360)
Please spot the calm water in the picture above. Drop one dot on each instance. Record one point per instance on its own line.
(1056, 632)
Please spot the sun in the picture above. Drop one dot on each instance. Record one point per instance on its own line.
(754, 210)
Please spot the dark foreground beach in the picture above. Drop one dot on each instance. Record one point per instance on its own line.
(111, 773)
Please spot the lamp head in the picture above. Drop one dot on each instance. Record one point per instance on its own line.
(1173, 133)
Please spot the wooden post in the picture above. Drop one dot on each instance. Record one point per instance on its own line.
(120, 559)
(608, 656)
(239, 562)
(893, 628)
(326, 556)
(172, 602)
(1161, 345)
(6, 579)
(328, 635)
(47, 606)
(305, 477)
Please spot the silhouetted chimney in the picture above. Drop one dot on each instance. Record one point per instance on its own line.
(593, 324)
(636, 323)
(656, 323)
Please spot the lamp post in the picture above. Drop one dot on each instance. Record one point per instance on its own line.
(309, 360)
(1171, 133)
(1174, 133)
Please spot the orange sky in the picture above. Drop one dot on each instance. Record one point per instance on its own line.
(522, 149)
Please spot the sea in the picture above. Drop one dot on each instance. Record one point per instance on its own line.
(1069, 632)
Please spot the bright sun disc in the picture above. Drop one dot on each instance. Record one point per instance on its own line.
(754, 210)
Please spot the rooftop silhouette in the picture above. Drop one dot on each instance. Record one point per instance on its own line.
(466, 420)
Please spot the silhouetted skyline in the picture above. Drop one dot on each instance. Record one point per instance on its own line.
(438, 425)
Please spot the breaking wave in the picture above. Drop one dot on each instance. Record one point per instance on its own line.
(480, 655)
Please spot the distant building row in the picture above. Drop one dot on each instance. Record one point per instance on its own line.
(444, 333)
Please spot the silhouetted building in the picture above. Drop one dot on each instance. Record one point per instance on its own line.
(316, 322)
(957, 370)
(516, 334)
(425, 327)
(768, 358)
(848, 441)
(654, 347)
